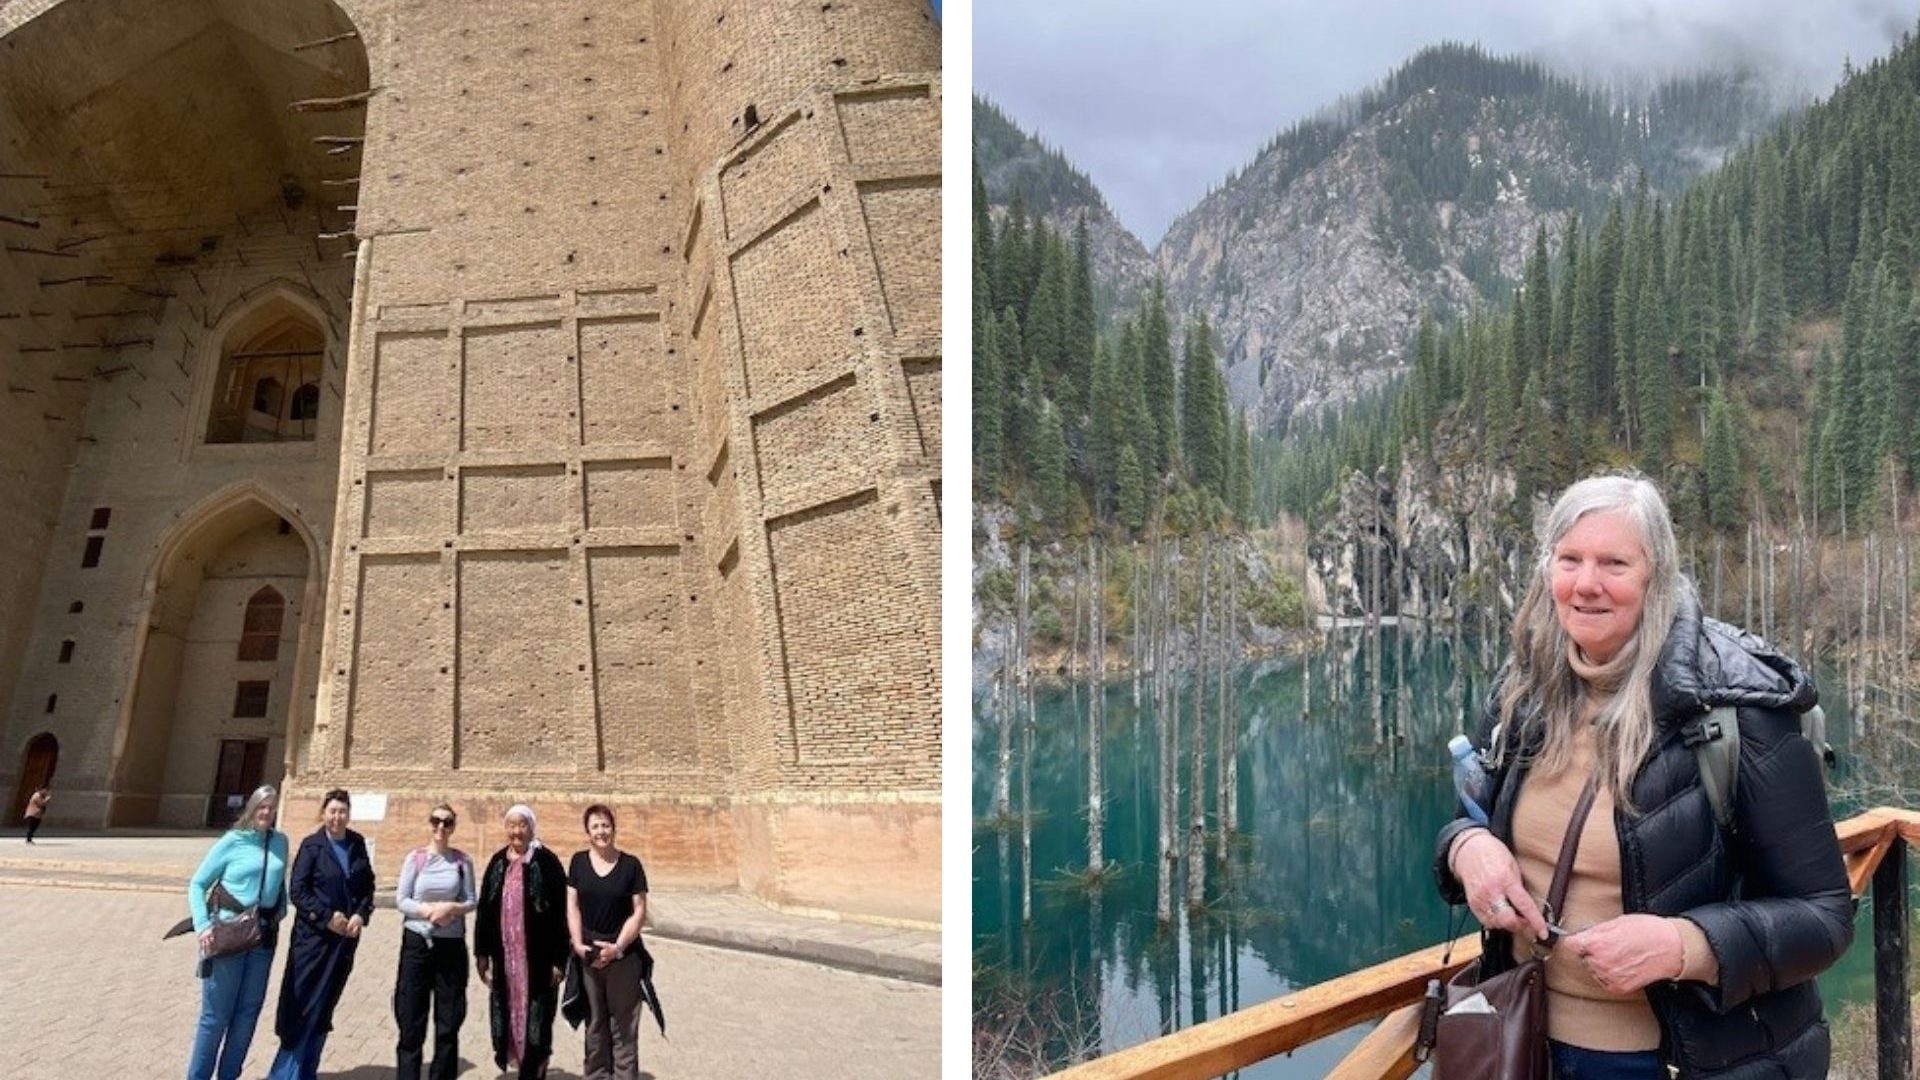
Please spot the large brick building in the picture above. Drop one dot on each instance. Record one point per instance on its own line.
(486, 401)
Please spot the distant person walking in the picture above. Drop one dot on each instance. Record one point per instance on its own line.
(520, 945)
(245, 868)
(435, 893)
(36, 810)
(332, 892)
(606, 905)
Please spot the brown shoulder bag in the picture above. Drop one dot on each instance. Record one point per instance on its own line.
(1495, 1028)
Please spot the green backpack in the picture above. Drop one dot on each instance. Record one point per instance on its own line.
(1715, 741)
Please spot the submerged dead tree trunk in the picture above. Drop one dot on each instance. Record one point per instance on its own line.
(1163, 706)
(1026, 740)
(1228, 726)
(1096, 693)
(1197, 784)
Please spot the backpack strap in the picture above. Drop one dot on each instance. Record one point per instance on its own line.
(1715, 741)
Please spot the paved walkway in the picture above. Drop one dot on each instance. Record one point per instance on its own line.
(92, 991)
(162, 860)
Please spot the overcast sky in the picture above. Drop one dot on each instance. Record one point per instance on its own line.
(1159, 100)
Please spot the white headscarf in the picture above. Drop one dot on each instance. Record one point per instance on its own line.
(533, 825)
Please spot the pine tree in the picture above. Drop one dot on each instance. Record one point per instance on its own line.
(1767, 324)
(1653, 369)
(988, 408)
(1081, 326)
(1203, 411)
(1157, 381)
(1242, 500)
(1012, 276)
(1724, 502)
(1052, 490)
(1132, 496)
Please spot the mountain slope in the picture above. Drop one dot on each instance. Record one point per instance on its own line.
(1314, 262)
(1014, 164)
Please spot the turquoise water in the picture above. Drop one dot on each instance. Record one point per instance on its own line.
(1330, 871)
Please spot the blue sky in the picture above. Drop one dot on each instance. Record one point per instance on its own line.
(1158, 101)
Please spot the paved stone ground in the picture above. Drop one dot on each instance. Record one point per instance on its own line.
(161, 860)
(91, 992)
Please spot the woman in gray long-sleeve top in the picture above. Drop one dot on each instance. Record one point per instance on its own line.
(435, 894)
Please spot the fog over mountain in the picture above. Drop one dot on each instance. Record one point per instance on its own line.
(1159, 102)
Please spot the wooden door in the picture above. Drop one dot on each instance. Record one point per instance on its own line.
(235, 776)
(36, 771)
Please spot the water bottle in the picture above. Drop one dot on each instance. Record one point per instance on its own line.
(1469, 778)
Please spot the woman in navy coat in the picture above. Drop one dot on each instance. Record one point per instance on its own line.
(332, 892)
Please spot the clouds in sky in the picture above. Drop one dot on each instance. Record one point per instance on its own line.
(1158, 101)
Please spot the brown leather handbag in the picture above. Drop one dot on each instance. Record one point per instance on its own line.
(242, 933)
(1495, 1028)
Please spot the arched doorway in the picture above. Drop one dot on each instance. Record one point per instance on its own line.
(223, 665)
(37, 765)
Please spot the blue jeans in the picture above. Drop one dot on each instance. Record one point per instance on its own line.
(300, 1062)
(1575, 1063)
(230, 998)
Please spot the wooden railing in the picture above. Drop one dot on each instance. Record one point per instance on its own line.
(1874, 844)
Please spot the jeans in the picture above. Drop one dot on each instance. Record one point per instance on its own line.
(230, 998)
(430, 970)
(1576, 1063)
(301, 1062)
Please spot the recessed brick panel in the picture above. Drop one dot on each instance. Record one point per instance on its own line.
(519, 388)
(641, 658)
(819, 438)
(794, 308)
(507, 498)
(858, 666)
(890, 125)
(630, 494)
(517, 660)
(413, 503)
(395, 711)
(776, 169)
(627, 389)
(415, 398)
(907, 249)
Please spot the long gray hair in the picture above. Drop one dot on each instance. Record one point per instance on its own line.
(1542, 694)
(244, 823)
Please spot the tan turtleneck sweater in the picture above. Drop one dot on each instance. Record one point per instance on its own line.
(1579, 1011)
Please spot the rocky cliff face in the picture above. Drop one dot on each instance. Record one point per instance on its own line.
(1313, 299)
(1315, 261)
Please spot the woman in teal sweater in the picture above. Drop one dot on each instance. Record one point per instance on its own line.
(249, 862)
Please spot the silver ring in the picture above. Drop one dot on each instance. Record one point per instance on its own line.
(1498, 906)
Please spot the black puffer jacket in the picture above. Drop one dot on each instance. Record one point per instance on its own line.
(1772, 897)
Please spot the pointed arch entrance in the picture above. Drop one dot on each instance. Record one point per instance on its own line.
(211, 713)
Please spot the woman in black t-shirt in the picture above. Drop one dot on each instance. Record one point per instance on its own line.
(606, 903)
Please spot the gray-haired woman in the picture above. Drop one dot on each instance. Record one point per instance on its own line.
(248, 863)
(1687, 947)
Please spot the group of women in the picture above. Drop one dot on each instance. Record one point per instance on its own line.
(532, 919)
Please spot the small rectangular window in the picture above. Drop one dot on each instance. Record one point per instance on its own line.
(66, 652)
(101, 515)
(53, 701)
(76, 607)
(92, 557)
(250, 698)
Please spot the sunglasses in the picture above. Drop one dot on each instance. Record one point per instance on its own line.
(440, 822)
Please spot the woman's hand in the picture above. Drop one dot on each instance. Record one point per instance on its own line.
(353, 926)
(580, 950)
(484, 969)
(1630, 952)
(206, 940)
(1495, 892)
(338, 924)
(604, 956)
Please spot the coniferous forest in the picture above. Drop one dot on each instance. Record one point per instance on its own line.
(1080, 430)
(1661, 334)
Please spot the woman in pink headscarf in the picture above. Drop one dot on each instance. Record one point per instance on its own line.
(520, 945)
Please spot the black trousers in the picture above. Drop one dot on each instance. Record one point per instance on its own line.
(431, 970)
(33, 826)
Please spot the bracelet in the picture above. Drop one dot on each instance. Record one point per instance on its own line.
(1685, 961)
(1460, 841)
